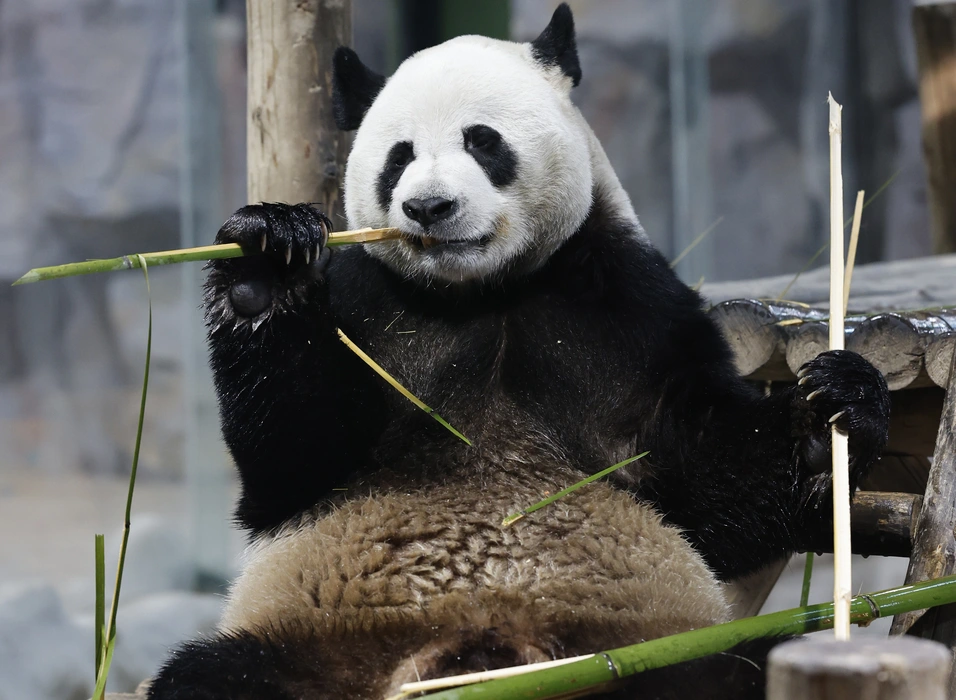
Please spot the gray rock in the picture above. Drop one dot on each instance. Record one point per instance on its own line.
(45, 655)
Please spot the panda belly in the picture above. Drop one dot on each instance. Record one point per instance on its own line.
(428, 584)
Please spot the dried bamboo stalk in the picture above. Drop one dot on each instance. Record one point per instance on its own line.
(841, 475)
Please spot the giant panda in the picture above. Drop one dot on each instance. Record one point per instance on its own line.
(524, 303)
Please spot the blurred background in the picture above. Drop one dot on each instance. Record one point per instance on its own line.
(122, 129)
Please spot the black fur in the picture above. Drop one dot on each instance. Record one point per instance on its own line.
(228, 668)
(639, 364)
(244, 667)
(354, 88)
(398, 158)
(555, 46)
(492, 153)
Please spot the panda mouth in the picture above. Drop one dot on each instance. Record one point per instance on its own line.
(424, 243)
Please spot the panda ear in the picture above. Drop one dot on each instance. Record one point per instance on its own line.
(556, 47)
(354, 88)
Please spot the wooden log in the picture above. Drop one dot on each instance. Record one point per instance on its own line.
(756, 339)
(294, 151)
(881, 524)
(934, 28)
(806, 342)
(939, 355)
(893, 345)
(859, 669)
(934, 544)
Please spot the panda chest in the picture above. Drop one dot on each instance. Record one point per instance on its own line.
(527, 367)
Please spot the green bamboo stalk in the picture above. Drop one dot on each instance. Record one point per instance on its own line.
(511, 519)
(609, 667)
(807, 576)
(169, 257)
(104, 669)
(99, 610)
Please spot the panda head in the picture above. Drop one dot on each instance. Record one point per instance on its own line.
(472, 149)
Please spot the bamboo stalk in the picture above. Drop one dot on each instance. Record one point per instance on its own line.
(407, 689)
(851, 253)
(840, 450)
(610, 667)
(169, 257)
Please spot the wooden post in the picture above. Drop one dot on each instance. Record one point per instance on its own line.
(934, 27)
(899, 668)
(294, 151)
(934, 544)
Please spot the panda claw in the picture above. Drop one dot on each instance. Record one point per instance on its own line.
(836, 416)
(801, 373)
(307, 253)
(813, 394)
(315, 252)
(288, 256)
(803, 380)
(262, 242)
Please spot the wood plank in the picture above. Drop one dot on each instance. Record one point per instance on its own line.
(934, 28)
(934, 548)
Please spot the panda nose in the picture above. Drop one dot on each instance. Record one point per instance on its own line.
(428, 211)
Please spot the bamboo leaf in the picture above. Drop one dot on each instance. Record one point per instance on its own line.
(100, 689)
(807, 575)
(395, 384)
(111, 629)
(693, 243)
(511, 519)
(99, 611)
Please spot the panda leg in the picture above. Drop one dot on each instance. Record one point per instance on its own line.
(238, 667)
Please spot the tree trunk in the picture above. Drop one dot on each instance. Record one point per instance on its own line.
(295, 153)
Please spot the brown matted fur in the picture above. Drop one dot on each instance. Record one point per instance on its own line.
(426, 583)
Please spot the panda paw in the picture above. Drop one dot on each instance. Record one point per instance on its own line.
(840, 387)
(285, 247)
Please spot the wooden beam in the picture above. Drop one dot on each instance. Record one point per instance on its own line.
(294, 151)
(934, 546)
(881, 523)
(934, 28)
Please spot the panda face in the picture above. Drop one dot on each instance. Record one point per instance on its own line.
(475, 152)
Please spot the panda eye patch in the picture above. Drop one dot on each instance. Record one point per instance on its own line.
(398, 158)
(492, 153)
(481, 137)
(401, 155)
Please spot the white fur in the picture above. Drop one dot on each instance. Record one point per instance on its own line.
(429, 100)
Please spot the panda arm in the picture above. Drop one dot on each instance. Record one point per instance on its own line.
(299, 411)
(746, 474)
